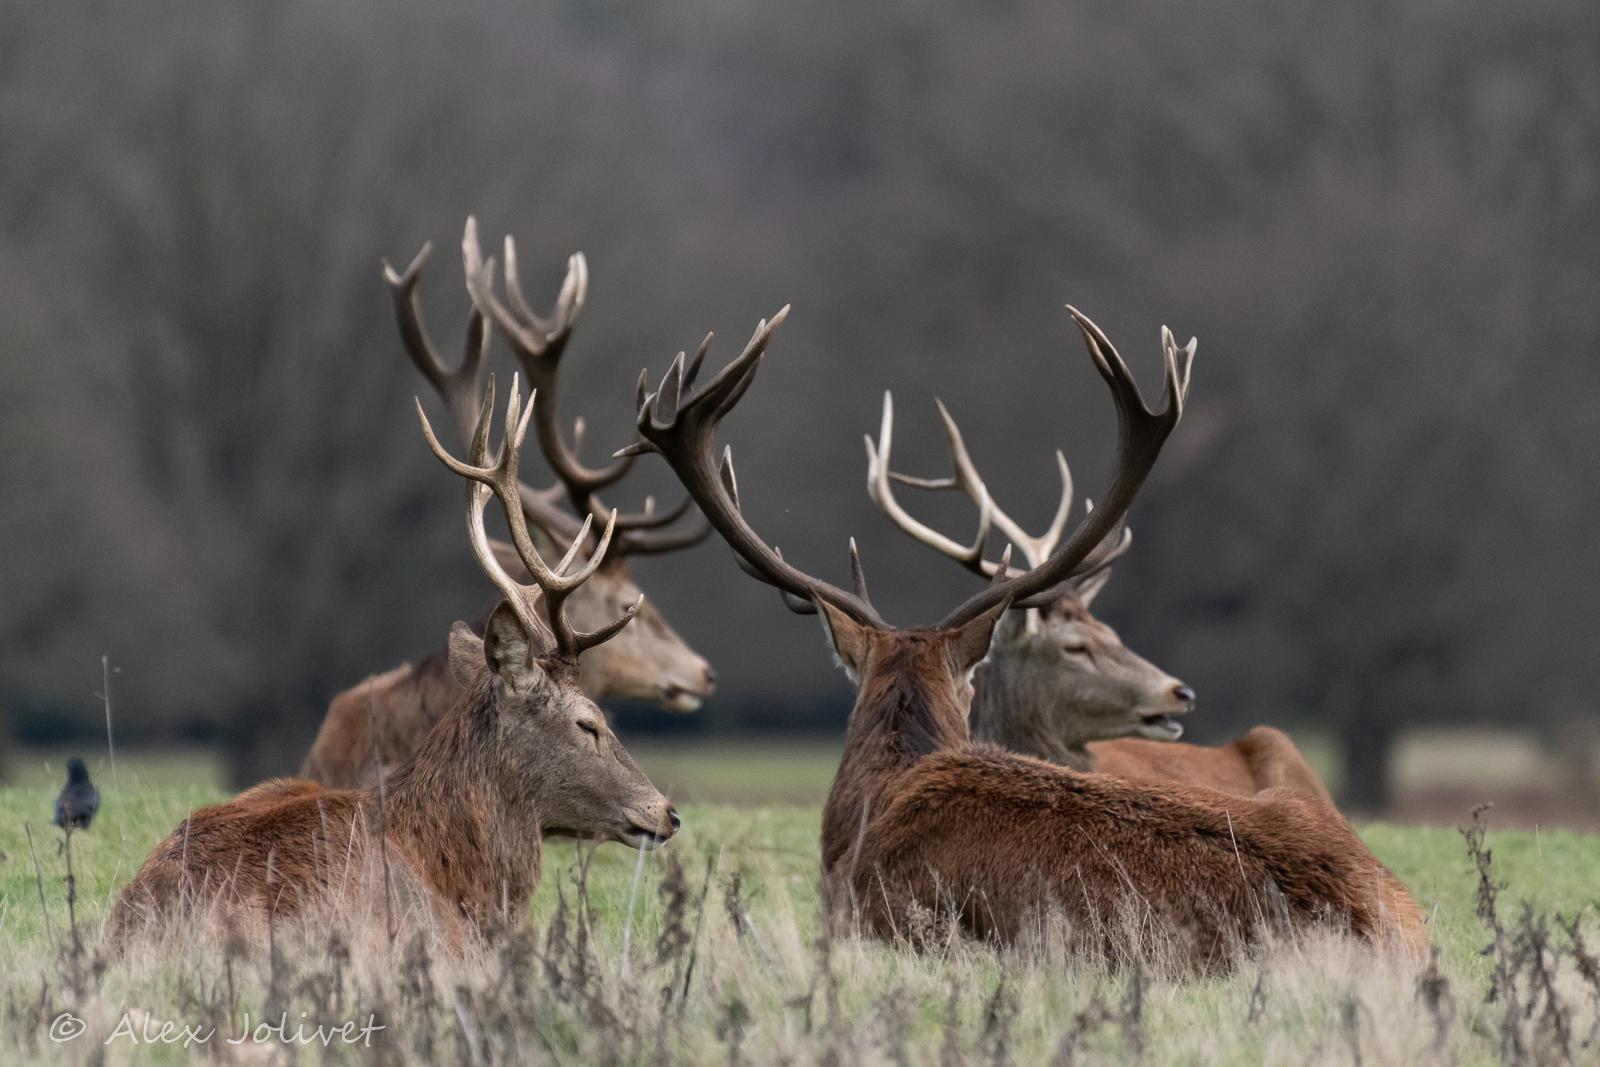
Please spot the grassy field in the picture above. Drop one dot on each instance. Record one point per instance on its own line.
(711, 952)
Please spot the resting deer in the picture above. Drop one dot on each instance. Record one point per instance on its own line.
(922, 820)
(390, 713)
(1057, 677)
(457, 827)
(1059, 684)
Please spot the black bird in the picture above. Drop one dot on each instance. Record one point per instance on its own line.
(79, 799)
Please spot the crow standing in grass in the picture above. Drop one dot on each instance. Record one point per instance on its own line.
(79, 799)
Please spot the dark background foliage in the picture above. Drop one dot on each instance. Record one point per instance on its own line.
(1379, 219)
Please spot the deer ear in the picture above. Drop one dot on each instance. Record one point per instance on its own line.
(848, 638)
(1090, 587)
(466, 655)
(969, 643)
(505, 649)
(1014, 624)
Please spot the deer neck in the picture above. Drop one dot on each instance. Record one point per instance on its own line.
(906, 708)
(1018, 709)
(469, 824)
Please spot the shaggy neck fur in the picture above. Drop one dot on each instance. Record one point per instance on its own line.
(469, 822)
(906, 708)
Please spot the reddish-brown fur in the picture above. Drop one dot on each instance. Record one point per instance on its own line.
(462, 819)
(380, 721)
(385, 717)
(921, 821)
(1264, 758)
(457, 828)
(1059, 678)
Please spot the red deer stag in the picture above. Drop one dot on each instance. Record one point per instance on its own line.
(393, 711)
(1057, 677)
(922, 821)
(1058, 684)
(457, 827)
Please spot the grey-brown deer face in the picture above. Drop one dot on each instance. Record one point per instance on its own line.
(1075, 678)
(648, 661)
(556, 745)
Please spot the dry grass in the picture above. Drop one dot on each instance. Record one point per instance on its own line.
(722, 959)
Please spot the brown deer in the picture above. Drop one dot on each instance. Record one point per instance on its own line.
(1059, 684)
(457, 827)
(1057, 677)
(389, 713)
(921, 820)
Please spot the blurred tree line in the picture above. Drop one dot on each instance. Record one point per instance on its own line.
(1380, 219)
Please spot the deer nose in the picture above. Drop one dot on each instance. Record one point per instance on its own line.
(672, 817)
(1183, 694)
(711, 676)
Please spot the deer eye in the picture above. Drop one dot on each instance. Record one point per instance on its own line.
(1075, 648)
(589, 728)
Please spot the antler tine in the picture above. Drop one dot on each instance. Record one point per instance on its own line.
(500, 478)
(694, 365)
(797, 604)
(459, 388)
(587, 639)
(539, 343)
(880, 489)
(1047, 541)
(645, 540)
(462, 389)
(964, 476)
(683, 428)
(1034, 549)
(521, 598)
(858, 576)
(569, 302)
(1112, 548)
(1140, 436)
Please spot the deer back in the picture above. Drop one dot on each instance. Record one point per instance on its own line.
(923, 822)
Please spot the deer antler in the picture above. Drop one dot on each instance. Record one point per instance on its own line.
(460, 389)
(539, 343)
(1140, 435)
(964, 476)
(683, 428)
(500, 479)
(643, 532)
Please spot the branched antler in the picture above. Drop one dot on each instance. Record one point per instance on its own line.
(460, 388)
(499, 478)
(1140, 434)
(539, 344)
(964, 477)
(682, 425)
(683, 429)
(639, 533)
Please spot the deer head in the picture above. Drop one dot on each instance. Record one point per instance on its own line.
(649, 661)
(913, 686)
(681, 423)
(1065, 675)
(551, 743)
(1059, 678)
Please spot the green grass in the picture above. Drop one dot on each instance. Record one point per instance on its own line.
(770, 984)
(781, 771)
